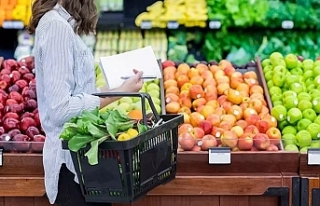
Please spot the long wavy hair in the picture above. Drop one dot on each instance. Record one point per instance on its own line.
(83, 11)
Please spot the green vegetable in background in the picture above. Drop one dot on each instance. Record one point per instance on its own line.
(94, 128)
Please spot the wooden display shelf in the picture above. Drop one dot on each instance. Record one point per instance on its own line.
(263, 178)
(310, 182)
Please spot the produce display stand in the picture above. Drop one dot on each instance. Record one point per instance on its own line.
(310, 182)
(252, 178)
(22, 180)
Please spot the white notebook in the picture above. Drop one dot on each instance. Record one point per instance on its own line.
(117, 67)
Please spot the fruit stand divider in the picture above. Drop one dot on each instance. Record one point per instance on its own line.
(249, 178)
(22, 180)
(310, 182)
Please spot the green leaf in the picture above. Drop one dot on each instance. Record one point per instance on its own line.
(112, 130)
(70, 129)
(95, 131)
(142, 128)
(91, 117)
(106, 115)
(92, 153)
(79, 141)
(119, 117)
(124, 126)
(82, 126)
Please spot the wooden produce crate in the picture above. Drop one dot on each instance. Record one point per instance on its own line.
(252, 178)
(22, 180)
(310, 174)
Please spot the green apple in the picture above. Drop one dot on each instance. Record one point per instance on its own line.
(156, 101)
(290, 79)
(125, 100)
(296, 87)
(124, 106)
(316, 63)
(299, 64)
(289, 94)
(316, 71)
(154, 93)
(279, 79)
(314, 130)
(304, 96)
(275, 103)
(290, 102)
(307, 64)
(268, 75)
(316, 80)
(156, 81)
(318, 87)
(136, 99)
(303, 138)
(279, 69)
(279, 112)
(289, 130)
(308, 74)
(288, 139)
(315, 144)
(311, 87)
(267, 68)
(296, 71)
(275, 90)
(112, 105)
(291, 61)
(153, 86)
(309, 114)
(317, 120)
(266, 62)
(309, 81)
(303, 124)
(304, 104)
(275, 56)
(276, 97)
(283, 124)
(291, 148)
(304, 149)
(158, 108)
(316, 104)
(294, 115)
(143, 90)
(270, 84)
(314, 93)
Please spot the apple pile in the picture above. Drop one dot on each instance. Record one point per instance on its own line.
(221, 107)
(19, 117)
(294, 86)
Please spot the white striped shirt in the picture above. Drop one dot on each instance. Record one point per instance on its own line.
(65, 79)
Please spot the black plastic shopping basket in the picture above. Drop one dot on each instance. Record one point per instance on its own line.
(128, 170)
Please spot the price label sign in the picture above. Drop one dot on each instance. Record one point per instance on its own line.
(214, 24)
(314, 156)
(173, 25)
(1, 157)
(288, 24)
(146, 24)
(13, 25)
(219, 155)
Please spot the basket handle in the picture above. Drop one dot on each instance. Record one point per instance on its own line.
(143, 97)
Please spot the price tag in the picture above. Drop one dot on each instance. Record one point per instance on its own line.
(1, 157)
(313, 156)
(214, 24)
(173, 25)
(288, 24)
(219, 155)
(146, 24)
(13, 25)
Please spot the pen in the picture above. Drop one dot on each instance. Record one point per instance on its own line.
(143, 77)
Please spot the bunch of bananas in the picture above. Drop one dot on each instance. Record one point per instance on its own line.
(190, 13)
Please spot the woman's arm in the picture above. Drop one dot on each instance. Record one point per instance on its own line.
(57, 59)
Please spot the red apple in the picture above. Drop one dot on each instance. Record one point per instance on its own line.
(252, 130)
(274, 135)
(207, 142)
(272, 147)
(206, 126)
(184, 128)
(197, 133)
(245, 142)
(186, 141)
(261, 141)
(262, 126)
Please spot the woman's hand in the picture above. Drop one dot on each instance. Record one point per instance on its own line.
(134, 83)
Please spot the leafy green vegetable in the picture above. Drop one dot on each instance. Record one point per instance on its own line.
(79, 141)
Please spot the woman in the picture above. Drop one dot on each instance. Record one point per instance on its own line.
(65, 81)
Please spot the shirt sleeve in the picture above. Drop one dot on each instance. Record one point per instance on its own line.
(58, 68)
